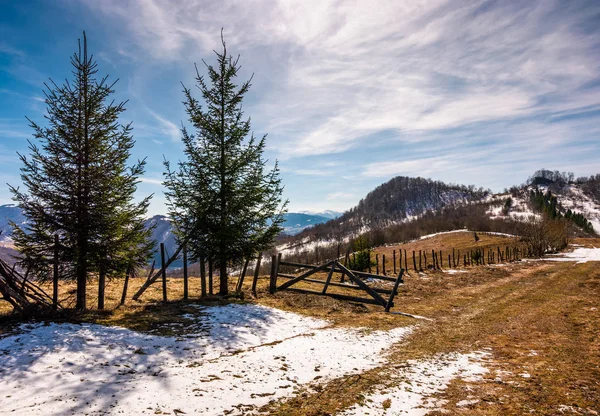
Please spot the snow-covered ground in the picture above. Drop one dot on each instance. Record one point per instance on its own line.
(418, 381)
(579, 255)
(235, 358)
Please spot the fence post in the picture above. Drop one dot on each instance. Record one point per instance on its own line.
(414, 261)
(272, 287)
(55, 275)
(394, 261)
(185, 273)
(203, 276)
(163, 271)
(377, 262)
(256, 272)
(383, 263)
(210, 276)
(405, 261)
(101, 285)
(125, 286)
(242, 276)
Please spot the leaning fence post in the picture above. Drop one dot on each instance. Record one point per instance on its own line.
(390, 301)
(242, 276)
(55, 275)
(163, 271)
(125, 286)
(256, 272)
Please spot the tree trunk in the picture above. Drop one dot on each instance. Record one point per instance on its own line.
(223, 289)
(81, 282)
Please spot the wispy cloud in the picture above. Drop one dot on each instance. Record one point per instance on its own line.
(168, 128)
(348, 70)
(152, 181)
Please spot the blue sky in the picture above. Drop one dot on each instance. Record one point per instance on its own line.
(350, 94)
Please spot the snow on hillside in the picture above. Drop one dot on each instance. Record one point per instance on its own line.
(577, 201)
(519, 211)
(237, 357)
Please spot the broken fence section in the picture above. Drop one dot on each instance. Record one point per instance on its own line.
(355, 282)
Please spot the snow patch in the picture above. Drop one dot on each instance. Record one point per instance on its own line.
(579, 255)
(236, 358)
(419, 381)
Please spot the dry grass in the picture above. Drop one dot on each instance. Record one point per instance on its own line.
(459, 241)
(537, 318)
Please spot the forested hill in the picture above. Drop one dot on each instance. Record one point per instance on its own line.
(397, 200)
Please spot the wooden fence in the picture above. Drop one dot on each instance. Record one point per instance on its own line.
(355, 281)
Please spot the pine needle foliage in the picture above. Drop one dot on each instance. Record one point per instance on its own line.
(224, 202)
(79, 185)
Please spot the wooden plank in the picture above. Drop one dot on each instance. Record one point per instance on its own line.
(363, 285)
(298, 265)
(344, 285)
(335, 296)
(390, 301)
(153, 279)
(305, 275)
(373, 276)
(328, 279)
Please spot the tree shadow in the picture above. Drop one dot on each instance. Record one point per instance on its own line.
(91, 368)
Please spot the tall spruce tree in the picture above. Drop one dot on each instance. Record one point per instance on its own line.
(79, 186)
(224, 201)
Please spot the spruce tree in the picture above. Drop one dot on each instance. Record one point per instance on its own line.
(223, 200)
(78, 184)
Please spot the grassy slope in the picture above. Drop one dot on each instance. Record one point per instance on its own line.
(550, 308)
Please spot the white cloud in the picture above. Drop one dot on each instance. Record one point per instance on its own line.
(331, 75)
(152, 181)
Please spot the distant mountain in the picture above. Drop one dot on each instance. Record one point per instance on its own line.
(293, 224)
(9, 213)
(398, 200)
(296, 222)
(329, 214)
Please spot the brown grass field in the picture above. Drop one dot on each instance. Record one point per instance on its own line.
(535, 317)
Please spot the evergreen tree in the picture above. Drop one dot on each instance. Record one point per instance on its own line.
(224, 202)
(79, 185)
